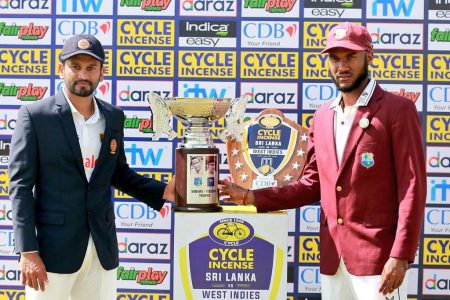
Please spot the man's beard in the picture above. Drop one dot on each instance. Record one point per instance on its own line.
(359, 80)
(83, 91)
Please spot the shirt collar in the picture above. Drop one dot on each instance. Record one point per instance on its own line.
(95, 116)
(363, 99)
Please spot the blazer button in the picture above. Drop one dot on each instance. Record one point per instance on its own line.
(339, 188)
(340, 221)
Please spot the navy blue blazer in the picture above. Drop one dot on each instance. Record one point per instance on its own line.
(54, 207)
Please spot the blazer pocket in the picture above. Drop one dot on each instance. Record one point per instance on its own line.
(52, 218)
(380, 221)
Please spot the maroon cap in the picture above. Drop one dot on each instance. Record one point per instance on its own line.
(349, 36)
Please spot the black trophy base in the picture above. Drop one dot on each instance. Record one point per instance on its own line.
(206, 209)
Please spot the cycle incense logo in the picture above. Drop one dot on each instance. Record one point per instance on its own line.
(231, 257)
(231, 232)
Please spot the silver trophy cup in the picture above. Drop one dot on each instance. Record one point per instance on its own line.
(197, 158)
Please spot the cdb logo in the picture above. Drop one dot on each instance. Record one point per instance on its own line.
(75, 27)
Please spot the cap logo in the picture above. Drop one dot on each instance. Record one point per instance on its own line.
(340, 33)
(83, 44)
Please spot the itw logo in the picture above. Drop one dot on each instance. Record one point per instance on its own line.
(396, 9)
(197, 92)
(144, 158)
(85, 5)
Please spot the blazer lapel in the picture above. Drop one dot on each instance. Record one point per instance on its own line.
(329, 137)
(66, 118)
(356, 130)
(106, 138)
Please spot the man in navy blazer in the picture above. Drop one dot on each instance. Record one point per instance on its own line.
(66, 153)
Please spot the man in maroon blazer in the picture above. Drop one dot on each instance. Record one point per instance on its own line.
(366, 164)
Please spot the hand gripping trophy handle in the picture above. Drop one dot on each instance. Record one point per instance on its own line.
(161, 115)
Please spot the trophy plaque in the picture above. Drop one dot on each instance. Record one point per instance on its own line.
(196, 157)
(272, 153)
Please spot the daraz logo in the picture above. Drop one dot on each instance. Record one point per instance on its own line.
(23, 93)
(28, 32)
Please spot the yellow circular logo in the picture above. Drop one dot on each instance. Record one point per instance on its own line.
(231, 231)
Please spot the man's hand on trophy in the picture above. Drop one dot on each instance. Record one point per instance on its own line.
(233, 193)
(169, 191)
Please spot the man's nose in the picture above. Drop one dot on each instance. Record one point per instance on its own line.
(83, 74)
(343, 64)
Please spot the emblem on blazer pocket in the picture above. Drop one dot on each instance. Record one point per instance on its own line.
(367, 159)
(113, 146)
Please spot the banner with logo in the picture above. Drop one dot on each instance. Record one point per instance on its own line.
(266, 50)
(230, 255)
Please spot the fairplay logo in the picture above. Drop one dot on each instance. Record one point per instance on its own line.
(271, 6)
(30, 92)
(30, 32)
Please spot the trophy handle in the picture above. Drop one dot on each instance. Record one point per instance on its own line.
(234, 120)
(161, 117)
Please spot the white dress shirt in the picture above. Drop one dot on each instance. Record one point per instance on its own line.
(343, 117)
(90, 133)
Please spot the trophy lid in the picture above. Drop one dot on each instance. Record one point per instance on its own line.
(186, 109)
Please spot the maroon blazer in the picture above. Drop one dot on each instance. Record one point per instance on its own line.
(367, 213)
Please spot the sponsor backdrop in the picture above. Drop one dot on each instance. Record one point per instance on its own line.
(268, 50)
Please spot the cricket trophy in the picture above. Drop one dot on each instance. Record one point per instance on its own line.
(272, 152)
(197, 158)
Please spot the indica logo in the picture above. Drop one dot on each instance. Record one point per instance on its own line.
(31, 32)
(231, 232)
(147, 5)
(24, 93)
(271, 6)
(347, 4)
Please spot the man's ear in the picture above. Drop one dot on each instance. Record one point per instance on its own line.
(60, 70)
(370, 57)
(102, 73)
